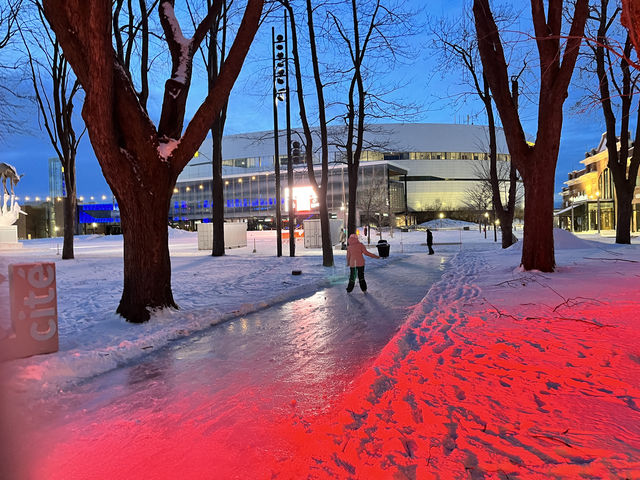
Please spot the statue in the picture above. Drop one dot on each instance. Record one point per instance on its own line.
(10, 209)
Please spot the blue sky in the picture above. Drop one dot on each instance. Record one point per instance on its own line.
(250, 110)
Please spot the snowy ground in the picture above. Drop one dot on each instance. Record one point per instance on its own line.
(497, 373)
(209, 290)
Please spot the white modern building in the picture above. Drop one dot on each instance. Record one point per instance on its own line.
(424, 167)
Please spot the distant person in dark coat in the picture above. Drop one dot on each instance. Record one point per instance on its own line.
(355, 260)
(430, 241)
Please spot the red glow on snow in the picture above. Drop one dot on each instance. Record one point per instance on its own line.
(469, 391)
(505, 398)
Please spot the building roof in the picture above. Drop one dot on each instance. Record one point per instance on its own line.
(398, 137)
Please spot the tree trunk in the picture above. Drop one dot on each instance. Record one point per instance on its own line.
(69, 207)
(537, 248)
(537, 163)
(352, 174)
(623, 216)
(141, 163)
(506, 214)
(69, 214)
(327, 247)
(147, 266)
(217, 186)
(506, 227)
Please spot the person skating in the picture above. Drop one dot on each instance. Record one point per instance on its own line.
(430, 241)
(355, 261)
(343, 239)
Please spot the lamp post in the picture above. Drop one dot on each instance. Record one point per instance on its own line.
(281, 93)
(292, 214)
(598, 212)
(486, 220)
(441, 217)
(278, 43)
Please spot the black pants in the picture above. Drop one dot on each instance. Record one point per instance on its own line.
(352, 279)
(431, 252)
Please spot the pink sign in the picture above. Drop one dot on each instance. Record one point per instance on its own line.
(34, 310)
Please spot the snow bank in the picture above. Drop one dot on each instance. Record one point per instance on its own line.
(562, 240)
(440, 223)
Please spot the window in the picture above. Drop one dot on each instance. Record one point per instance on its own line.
(396, 156)
(371, 156)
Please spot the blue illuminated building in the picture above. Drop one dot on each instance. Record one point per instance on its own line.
(420, 167)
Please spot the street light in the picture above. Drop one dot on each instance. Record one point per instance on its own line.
(598, 214)
(486, 220)
(441, 217)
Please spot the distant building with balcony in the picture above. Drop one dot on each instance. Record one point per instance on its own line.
(588, 200)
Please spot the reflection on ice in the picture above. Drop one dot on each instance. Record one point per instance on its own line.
(209, 397)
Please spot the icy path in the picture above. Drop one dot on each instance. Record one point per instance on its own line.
(207, 407)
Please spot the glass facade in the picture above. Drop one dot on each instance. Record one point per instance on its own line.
(253, 194)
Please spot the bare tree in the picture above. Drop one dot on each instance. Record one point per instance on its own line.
(131, 33)
(373, 201)
(536, 163)
(140, 162)
(616, 72)
(480, 196)
(214, 55)
(459, 43)
(372, 35)
(10, 99)
(321, 187)
(9, 21)
(55, 89)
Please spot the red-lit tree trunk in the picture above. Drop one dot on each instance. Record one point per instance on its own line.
(631, 20)
(537, 163)
(139, 162)
(537, 249)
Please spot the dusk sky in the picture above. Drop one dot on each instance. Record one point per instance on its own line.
(250, 110)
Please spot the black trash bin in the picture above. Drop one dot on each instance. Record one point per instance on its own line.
(383, 248)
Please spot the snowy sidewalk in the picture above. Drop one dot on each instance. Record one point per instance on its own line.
(499, 374)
